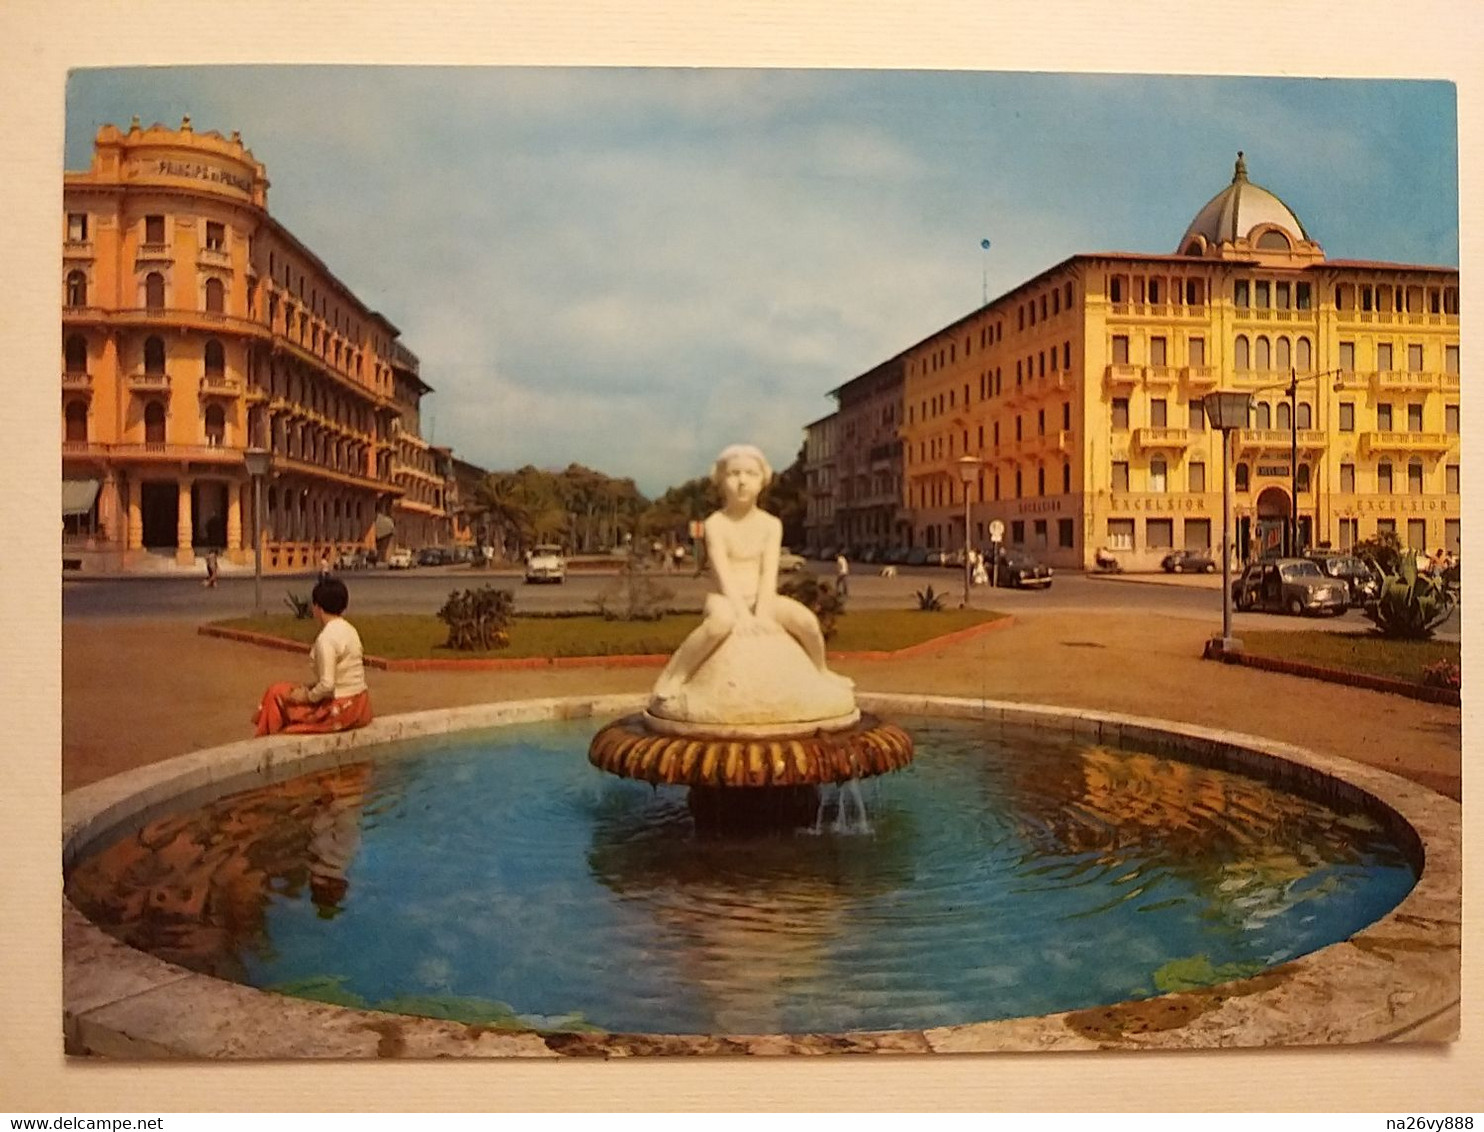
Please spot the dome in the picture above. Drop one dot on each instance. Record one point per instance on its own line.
(1237, 212)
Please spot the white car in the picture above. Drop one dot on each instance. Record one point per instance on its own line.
(546, 564)
(789, 562)
(399, 559)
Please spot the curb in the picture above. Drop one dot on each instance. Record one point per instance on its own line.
(1450, 696)
(616, 660)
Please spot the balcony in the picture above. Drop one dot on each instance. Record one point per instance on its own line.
(1199, 377)
(1399, 381)
(152, 253)
(148, 382)
(77, 380)
(1279, 440)
(214, 257)
(220, 385)
(1429, 442)
(1160, 376)
(1121, 375)
(1149, 437)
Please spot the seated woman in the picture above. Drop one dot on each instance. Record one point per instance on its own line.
(742, 544)
(338, 699)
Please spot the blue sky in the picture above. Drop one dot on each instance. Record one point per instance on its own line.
(633, 268)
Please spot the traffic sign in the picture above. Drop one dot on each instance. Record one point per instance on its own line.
(996, 530)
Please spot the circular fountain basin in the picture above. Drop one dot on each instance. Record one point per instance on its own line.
(589, 865)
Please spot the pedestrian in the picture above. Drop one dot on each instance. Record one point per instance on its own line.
(338, 699)
(212, 566)
(324, 565)
(679, 557)
(842, 575)
(981, 574)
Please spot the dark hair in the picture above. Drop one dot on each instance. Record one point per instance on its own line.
(330, 595)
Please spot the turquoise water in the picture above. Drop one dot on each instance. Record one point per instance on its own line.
(498, 877)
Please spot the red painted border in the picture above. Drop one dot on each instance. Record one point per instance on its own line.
(1423, 692)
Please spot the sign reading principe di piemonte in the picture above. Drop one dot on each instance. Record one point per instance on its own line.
(194, 170)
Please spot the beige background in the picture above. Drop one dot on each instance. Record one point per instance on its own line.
(41, 39)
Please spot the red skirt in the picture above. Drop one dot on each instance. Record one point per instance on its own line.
(275, 714)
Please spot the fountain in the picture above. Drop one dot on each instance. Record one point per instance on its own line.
(747, 713)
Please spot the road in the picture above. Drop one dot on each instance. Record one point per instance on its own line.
(423, 590)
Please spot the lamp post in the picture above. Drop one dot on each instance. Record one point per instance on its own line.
(968, 470)
(1227, 412)
(259, 461)
(1291, 543)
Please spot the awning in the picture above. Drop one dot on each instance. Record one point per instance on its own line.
(78, 496)
(384, 526)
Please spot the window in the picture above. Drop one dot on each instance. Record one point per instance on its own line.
(1261, 290)
(1242, 359)
(1120, 414)
(1197, 421)
(216, 426)
(1115, 289)
(1301, 479)
(154, 355)
(1064, 532)
(1450, 419)
(1302, 298)
(77, 422)
(1159, 412)
(1386, 526)
(1197, 474)
(1285, 417)
(1040, 422)
(1383, 479)
(154, 423)
(1196, 351)
(1349, 533)
(1347, 416)
(1158, 474)
(77, 289)
(1120, 349)
(1417, 534)
(1383, 356)
(1347, 356)
(1019, 490)
(216, 236)
(1282, 296)
(1154, 291)
(216, 358)
(216, 296)
(1241, 294)
(154, 229)
(1066, 414)
(1264, 415)
(1347, 479)
(1414, 418)
(1383, 418)
(1120, 475)
(1452, 532)
(1283, 353)
(1017, 532)
(1450, 360)
(76, 353)
(1066, 477)
(1450, 479)
(1414, 357)
(1018, 430)
(1197, 534)
(154, 291)
(1040, 481)
(1157, 351)
(1305, 415)
(1242, 478)
(1264, 353)
(77, 227)
(1302, 358)
(1120, 534)
(1414, 477)
(1159, 534)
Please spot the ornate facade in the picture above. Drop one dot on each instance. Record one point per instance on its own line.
(196, 327)
(1079, 393)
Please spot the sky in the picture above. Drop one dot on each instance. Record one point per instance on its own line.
(632, 268)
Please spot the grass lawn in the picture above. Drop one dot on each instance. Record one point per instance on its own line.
(409, 637)
(1353, 652)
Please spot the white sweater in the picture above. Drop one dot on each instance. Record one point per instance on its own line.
(338, 670)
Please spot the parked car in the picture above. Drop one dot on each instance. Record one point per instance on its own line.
(545, 563)
(399, 559)
(1020, 570)
(1290, 585)
(789, 562)
(1363, 583)
(894, 556)
(917, 556)
(1188, 562)
(352, 559)
(434, 556)
(827, 554)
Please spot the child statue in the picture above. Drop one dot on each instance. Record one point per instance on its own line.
(743, 545)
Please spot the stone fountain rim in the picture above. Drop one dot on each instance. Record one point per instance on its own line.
(1396, 979)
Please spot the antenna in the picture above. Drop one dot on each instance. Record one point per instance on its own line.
(985, 245)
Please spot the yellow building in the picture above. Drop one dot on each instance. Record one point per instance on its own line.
(1079, 392)
(194, 327)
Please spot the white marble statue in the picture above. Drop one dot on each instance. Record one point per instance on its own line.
(757, 657)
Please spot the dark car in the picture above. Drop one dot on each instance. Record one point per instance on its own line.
(1363, 582)
(895, 556)
(1021, 570)
(1290, 585)
(1188, 562)
(917, 556)
(434, 556)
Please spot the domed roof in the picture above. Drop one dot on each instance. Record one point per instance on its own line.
(1236, 210)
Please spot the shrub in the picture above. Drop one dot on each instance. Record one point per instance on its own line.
(1383, 550)
(478, 619)
(818, 596)
(303, 607)
(1411, 605)
(634, 595)
(1442, 674)
(928, 601)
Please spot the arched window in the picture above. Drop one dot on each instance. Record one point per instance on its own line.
(1243, 483)
(1243, 359)
(154, 355)
(216, 296)
(154, 423)
(216, 425)
(1264, 415)
(1158, 474)
(216, 358)
(1303, 478)
(154, 291)
(76, 351)
(1264, 353)
(1040, 481)
(1273, 240)
(1283, 355)
(1017, 483)
(1066, 477)
(77, 289)
(1305, 415)
(1302, 359)
(77, 421)
(1285, 417)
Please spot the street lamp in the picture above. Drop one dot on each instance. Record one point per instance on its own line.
(259, 462)
(1227, 412)
(1290, 543)
(968, 471)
